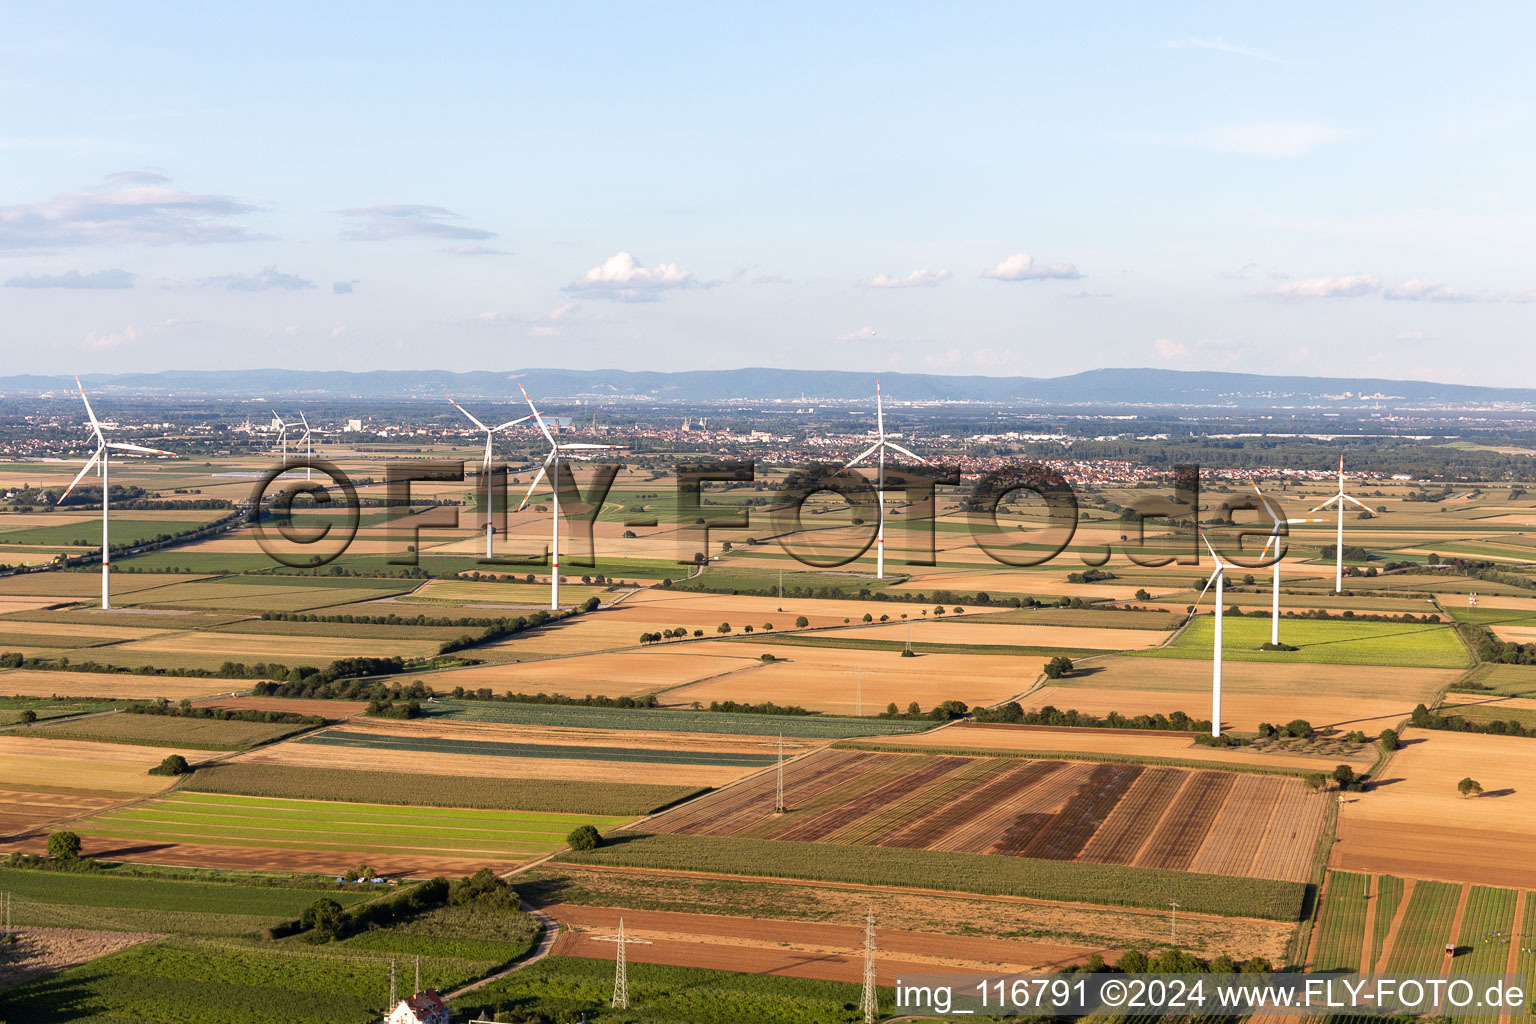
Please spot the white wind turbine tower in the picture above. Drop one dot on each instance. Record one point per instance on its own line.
(309, 448)
(1218, 577)
(552, 467)
(1341, 498)
(99, 460)
(485, 466)
(1275, 536)
(880, 445)
(282, 435)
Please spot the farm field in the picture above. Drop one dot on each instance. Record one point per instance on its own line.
(167, 731)
(1168, 818)
(1328, 642)
(113, 686)
(95, 768)
(1426, 927)
(997, 634)
(1241, 711)
(1291, 681)
(1147, 745)
(625, 798)
(276, 833)
(1343, 923)
(568, 716)
(1419, 826)
(503, 741)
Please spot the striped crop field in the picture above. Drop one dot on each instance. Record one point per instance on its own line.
(1389, 893)
(672, 720)
(503, 748)
(1487, 926)
(1420, 944)
(1343, 923)
(325, 825)
(1220, 823)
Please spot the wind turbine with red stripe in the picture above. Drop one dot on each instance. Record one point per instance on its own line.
(552, 468)
(99, 460)
(881, 444)
(485, 467)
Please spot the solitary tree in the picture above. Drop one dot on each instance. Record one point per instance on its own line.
(174, 764)
(64, 846)
(29, 716)
(1466, 787)
(1389, 739)
(1058, 667)
(324, 919)
(1344, 775)
(724, 627)
(584, 837)
(801, 622)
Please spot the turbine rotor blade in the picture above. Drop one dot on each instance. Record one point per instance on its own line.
(879, 412)
(906, 452)
(466, 412)
(125, 446)
(1354, 502)
(592, 447)
(511, 423)
(537, 418)
(547, 460)
(88, 410)
(83, 470)
(866, 454)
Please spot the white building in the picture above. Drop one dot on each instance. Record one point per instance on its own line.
(426, 1007)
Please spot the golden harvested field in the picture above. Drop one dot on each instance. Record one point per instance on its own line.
(1134, 743)
(1417, 824)
(28, 604)
(110, 768)
(656, 607)
(77, 585)
(235, 647)
(569, 735)
(628, 673)
(1239, 711)
(929, 631)
(824, 678)
(1514, 634)
(1192, 676)
(34, 683)
(95, 630)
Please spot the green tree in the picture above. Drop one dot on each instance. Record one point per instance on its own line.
(1389, 739)
(1315, 780)
(1466, 787)
(724, 627)
(174, 764)
(801, 622)
(64, 846)
(1057, 667)
(324, 919)
(584, 837)
(28, 716)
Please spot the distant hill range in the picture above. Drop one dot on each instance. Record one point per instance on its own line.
(1109, 387)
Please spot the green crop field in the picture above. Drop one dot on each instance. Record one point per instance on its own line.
(1507, 680)
(356, 786)
(1426, 928)
(501, 748)
(188, 981)
(1389, 893)
(52, 707)
(853, 643)
(1343, 923)
(1329, 642)
(124, 531)
(1113, 885)
(168, 731)
(324, 825)
(569, 716)
(1486, 934)
(128, 903)
(563, 988)
(1107, 618)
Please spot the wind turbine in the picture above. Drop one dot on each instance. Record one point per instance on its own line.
(99, 459)
(880, 445)
(552, 465)
(282, 435)
(1218, 577)
(1275, 534)
(1341, 498)
(485, 466)
(309, 448)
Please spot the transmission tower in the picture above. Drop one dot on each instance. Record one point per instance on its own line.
(778, 800)
(868, 1003)
(393, 999)
(418, 974)
(620, 965)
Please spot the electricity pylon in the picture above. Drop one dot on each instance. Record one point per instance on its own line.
(778, 800)
(868, 1002)
(621, 965)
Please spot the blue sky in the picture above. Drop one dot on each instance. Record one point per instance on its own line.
(1001, 189)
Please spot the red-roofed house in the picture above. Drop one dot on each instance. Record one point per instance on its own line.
(422, 1008)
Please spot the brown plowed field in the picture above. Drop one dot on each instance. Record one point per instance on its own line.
(25, 809)
(830, 952)
(1056, 810)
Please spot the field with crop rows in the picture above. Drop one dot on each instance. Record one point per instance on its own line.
(555, 715)
(168, 731)
(553, 751)
(1327, 642)
(242, 778)
(1170, 818)
(279, 824)
(1420, 944)
(1486, 933)
(1343, 923)
(1388, 894)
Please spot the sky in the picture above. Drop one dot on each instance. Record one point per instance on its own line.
(1003, 189)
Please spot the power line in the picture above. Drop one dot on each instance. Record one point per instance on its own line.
(869, 1002)
(620, 965)
(778, 800)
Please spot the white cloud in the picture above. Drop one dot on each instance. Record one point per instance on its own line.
(622, 278)
(1349, 287)
(474, 249)
(134, 214)
(1222, 46)
(858, 335)
(74, 279)
(917, 279)
(263, 280)
(1021, 266)
(1427, 291)
(103, 341)
(1167, 348)
(407, 220)
(344, 287)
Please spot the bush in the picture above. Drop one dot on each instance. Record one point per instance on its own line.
(64, 846)
(584, 837)
(174, 764)
(1389, 739)
(1466, 787)
(28, 716)
(323, 919)
(1057, 667)
(801, 622)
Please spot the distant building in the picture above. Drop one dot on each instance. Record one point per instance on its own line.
(425, 1007)
(354, 426)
